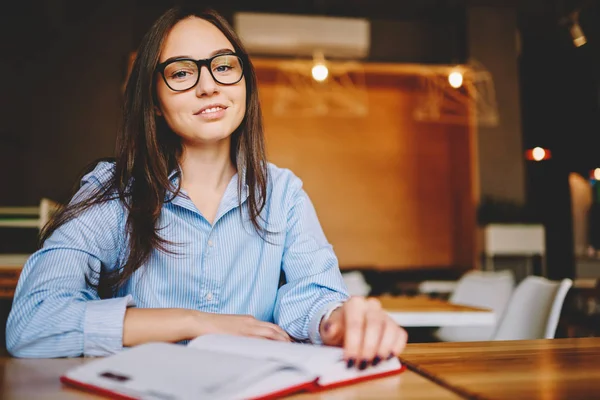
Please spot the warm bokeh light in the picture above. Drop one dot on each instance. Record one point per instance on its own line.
(579, 38)
(538, 154)
(320, 72)
(597, 174)
(455, 79)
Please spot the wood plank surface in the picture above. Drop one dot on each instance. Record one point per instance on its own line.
(422, 311)
(423, 304)
(529, 369)
(407, 385)
(39, 379)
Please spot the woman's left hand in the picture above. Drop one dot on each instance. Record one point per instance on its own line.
(365, 330)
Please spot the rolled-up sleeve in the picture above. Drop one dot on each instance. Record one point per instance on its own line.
(103, 325)
(56, 312)
(314, 283)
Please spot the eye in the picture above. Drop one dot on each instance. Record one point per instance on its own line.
(180, 74)
(223, 68)
(180, 70)
(226, 64)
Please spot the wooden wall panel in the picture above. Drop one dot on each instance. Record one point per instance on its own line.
(390, 192)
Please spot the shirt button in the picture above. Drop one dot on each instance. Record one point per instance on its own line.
(210, 243)
(209, 296)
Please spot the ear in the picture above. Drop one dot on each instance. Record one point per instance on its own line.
(157, 111)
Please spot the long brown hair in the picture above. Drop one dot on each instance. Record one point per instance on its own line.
(147, 151)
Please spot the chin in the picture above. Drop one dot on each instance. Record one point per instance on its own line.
(211, 136)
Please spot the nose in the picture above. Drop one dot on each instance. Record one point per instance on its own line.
(206, 84)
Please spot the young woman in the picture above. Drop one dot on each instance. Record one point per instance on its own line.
(189, 230)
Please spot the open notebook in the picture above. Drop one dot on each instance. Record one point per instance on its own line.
(220, 366)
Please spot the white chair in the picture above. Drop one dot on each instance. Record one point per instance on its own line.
(482, 289)
(28, 217)
(533, 310)
(47, 210)
(356, 283)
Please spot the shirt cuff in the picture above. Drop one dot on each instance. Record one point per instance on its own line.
(325, 311)
(103, 326)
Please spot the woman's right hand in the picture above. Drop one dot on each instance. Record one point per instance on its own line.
(240, 325)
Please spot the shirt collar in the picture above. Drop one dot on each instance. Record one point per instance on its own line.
(174, 173)
(230, 193)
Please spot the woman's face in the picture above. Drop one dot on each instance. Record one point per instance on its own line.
(208, 112)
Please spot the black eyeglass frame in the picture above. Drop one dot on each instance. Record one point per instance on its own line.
(199, 64)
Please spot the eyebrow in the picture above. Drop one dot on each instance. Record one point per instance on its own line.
(221, 51)
(212, 54)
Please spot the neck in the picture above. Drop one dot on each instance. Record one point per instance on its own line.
(206, 167)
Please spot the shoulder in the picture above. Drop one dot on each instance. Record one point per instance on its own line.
(283, 182)
(286, 189)
(96, 188)
(94, 212)
(101, 175)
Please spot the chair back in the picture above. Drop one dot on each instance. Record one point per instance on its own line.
(533, 310)
(484, 289)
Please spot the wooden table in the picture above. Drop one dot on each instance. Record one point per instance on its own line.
(535, 369)
(528, 369)
(39, 379)
(424, 311)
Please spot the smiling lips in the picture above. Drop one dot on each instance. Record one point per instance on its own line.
(212, 111)
(212, 108)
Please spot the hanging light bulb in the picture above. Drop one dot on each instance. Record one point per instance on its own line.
(455, 79)
(538, 154)
(572, 23)
(577, 34)
(320, 72)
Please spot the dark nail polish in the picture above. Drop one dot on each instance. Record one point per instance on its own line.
(351, 363)
(363, 365)
(390, 356)
(376, 360)
(326, 326)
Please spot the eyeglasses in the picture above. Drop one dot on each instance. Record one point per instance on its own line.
(184, 73)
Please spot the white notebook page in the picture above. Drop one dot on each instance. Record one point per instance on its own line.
(325, 361)
(314, 358)
(173, 372)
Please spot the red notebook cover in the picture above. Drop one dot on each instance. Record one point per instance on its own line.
(309, 386)
(318, 388)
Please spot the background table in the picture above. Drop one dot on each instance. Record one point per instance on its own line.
(424, 311)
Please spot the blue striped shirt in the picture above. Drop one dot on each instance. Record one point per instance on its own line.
(223, 268)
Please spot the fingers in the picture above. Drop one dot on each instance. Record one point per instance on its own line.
(355, 310)
(401, 340)
(374, 328)
(390, 340)
(266, 333)
(370, 334)
(280, 332)
(270, 331)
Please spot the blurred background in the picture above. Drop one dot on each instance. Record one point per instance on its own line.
(435, 137)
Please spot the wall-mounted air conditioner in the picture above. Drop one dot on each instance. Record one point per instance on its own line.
(299, 35)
